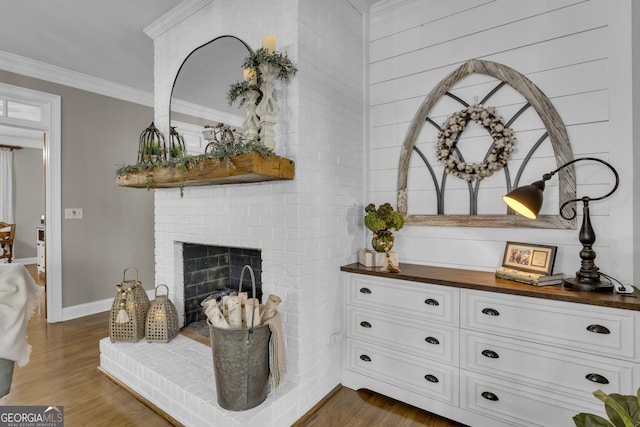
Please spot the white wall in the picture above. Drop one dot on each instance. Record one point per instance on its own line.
(306, 228)
(577, 53)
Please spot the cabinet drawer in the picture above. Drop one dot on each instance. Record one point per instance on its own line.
(412, 299)
(599, 330)
(544, 366)
(520, 405)
(422, 376)
(433, 340)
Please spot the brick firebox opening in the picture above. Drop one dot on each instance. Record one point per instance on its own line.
(209, 269)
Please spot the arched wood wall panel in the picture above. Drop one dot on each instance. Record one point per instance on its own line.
(556, 131)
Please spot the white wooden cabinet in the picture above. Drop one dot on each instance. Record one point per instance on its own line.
(536, 362)
(479, 354)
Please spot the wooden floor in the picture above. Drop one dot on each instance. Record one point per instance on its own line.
(63, 371)
(364, 408)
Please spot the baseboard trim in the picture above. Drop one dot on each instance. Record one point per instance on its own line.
(82, 310)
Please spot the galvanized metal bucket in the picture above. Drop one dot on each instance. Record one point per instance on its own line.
(241, 362)
(6, 375)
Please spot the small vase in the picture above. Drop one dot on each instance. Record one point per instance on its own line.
(382, 241)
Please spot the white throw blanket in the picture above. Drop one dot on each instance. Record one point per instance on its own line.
(19, 297)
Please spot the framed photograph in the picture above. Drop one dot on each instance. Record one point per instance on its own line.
(528, 257)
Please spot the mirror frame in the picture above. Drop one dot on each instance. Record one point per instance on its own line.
(249, 51)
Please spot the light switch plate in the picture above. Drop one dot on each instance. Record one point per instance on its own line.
(73, 213)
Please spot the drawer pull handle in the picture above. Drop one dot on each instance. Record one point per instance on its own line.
(598, 329)
(432, 340)
(490, 312)
(490, 354)
(431, 378)
(365, 290)
(597, 378)
(431, 301)
(489, 396)
(365, 358)
(365, 324)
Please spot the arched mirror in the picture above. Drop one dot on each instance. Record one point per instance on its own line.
(199, 94)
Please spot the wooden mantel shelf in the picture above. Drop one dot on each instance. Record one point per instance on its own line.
(249, 167)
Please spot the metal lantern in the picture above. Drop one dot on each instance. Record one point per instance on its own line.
(152, 147)
(176, 144)
(162, 318)
(129, 310)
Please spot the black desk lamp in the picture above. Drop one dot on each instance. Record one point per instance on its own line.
(527, 201)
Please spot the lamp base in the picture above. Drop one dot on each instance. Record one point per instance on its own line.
(592, 285)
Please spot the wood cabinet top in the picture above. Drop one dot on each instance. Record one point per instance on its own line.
(487, 281)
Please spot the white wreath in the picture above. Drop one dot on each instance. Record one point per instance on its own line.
(502, 135)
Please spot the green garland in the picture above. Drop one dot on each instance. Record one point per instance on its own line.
(219, 152)
(285, 69)
(237, 90)
(281, 62)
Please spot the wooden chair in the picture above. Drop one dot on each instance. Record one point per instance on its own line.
(7, 232)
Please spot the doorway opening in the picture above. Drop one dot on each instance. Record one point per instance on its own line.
(26, 111)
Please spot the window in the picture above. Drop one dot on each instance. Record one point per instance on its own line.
(22, 111)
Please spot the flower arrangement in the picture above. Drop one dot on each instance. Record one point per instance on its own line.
(504, 141)
(381, 221)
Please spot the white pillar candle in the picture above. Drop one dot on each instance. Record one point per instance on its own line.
(269, 43)
(249, 75)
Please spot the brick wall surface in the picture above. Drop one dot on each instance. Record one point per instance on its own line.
(306, 228)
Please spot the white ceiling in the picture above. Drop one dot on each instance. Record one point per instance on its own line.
(100, 38)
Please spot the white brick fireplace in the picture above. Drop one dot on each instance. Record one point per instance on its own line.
(305, 228)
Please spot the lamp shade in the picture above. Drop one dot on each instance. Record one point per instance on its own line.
(526, 200)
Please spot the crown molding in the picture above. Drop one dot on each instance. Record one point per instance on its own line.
(54, 74)
(174, 17)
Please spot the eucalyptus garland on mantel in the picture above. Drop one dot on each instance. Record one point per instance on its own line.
(218, 153)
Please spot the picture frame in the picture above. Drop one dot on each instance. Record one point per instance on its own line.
(529, 257)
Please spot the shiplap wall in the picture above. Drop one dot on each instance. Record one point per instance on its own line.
(576, 52)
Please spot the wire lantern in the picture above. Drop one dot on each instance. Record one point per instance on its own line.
(162, 318)
(152, 147)
(176, 144)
